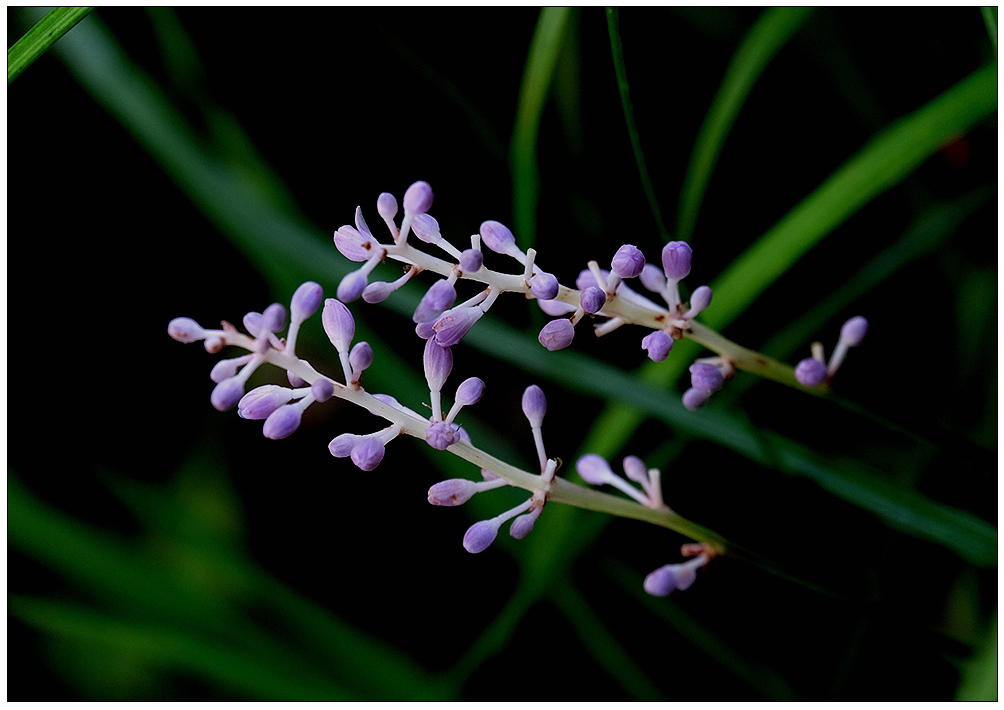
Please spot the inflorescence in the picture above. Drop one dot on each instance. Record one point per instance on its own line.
(442, 323)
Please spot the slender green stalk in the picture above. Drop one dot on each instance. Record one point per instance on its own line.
(39, 38)
(990, 18)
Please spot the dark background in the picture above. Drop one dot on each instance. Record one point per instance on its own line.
(105, 249)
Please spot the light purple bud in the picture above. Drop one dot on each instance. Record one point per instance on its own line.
(354, 245)
(227, 393)
(658, 343)
(360, 357)
(387, 206)
(455, 324)
(470, 391)
(700, 299)
(227, 368)
(274, 318)
(587, 279)
(426, 330)
(810, 372)
(669, 577)
(352, 286)
(322, 390)
(534, 405)
(853, 331)
(252, 323)
(426, 228)
(294, 379)
(704, 376)
(377, 291)
(212, 345)
(497, 237)
(694, 399)
(342, 445)
(418, 197)
(557, 334)
(437, 299)
(471, 260)
(338, 324)
(455, 491)
(260, 402)
(592, 299)
(480, 536)
(676, 260)
(523, 525)
(185, 330)
(441, 435)
(628, 262)
(544, 285)
(634, 469)
(594, 469)
(368, 453)
(438, 363)
(652, 278)
(556, 308)
(306, 300)
(282, 422)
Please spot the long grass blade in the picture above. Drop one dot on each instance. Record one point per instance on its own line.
(39, 38)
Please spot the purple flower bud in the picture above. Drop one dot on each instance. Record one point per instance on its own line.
(700, 299)
(628, 262)
(544, 285)
(853, 331)
(669, 577)
(438, 363)
(704, 376)
(694, 399)
(387, 206)
(455, 324)
(368, 453)
(322, 390)
(377, 291)
(437, 299)
(594, 469)
(556, 308)
(338, 324)
(470, 391)
(481, 535)
(185, 330)
(227, 393)
(592, 299)
(306, 300)
(557, 334)
(212, 345)
(282, 422)
(676, 259)
(227, 368)
(260, 402)
(342, 445)
(294, 379)
(426, 228)
(634, 469)
(658, 343)
(652, 278)
(441, 435)
(418, 197)
(471, 260)
(455, 491)
(352, 286)
(810, 372)
(587, 279)
(252, 323)
(497, 237)
(274, 318)
(523, 525)
(425, 330)
(534, 405)
(360, 357)
(354, 245)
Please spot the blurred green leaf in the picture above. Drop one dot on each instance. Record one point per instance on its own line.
(772, 30)
(979, 678)
(613, 26)
(990, 19)
(39, 38)
(540, 66)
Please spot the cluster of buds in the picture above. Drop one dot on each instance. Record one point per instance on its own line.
(815, 371)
